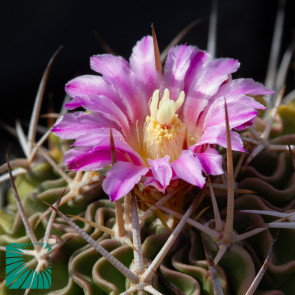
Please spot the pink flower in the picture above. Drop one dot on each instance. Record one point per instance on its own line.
(165, 126)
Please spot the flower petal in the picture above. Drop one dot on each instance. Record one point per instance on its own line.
(142, 64)
(239, 87)
(106, 107)
(112, 67)
(121, 179)
(116, 71)
(217, 135)
(93, 151)
(72, 125)
(89, 86)
(86, 159)
(162, 171)
(237, 91)
(245, 125)
(189, 168)
(211, 161)
(241, 108)
(202, 82)
(238, 113)
(178, 62)
(100, 138)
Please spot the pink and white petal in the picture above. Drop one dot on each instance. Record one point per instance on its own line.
(90, 159)
(211, 161)
(177, 64)
(238, 113)
(215, 73)
(86, 159)
(93, 151)
(116, 71)
(161, 170)
(233, 96)
(91, 85)
(122, 178)
(217, 135)
(239, 87)
(237, 91)
(202, 83)
(142, 64)
(111, 66)
(72, 125)
(245, 125)
(100, 137)
(106, 107)
(189, 168)
(88, 85)
(124, 151)
(236, 100)
(250, 102)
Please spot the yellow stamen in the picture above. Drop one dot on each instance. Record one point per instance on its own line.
(164, 132)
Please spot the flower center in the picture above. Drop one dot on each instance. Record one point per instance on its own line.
(164, 132)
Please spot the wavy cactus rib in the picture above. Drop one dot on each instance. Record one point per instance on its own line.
(130, 275)
(262, 270)
(221, 242)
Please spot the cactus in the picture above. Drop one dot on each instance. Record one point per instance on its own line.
(232, 234)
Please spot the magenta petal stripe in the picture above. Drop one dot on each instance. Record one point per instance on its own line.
(91, 85)
(217, 135)
(177, 64)
(121, 178)
(76, 124)
(161, 170)
(142, 64)
(211, 162)
(189, 168)
(116, 71)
